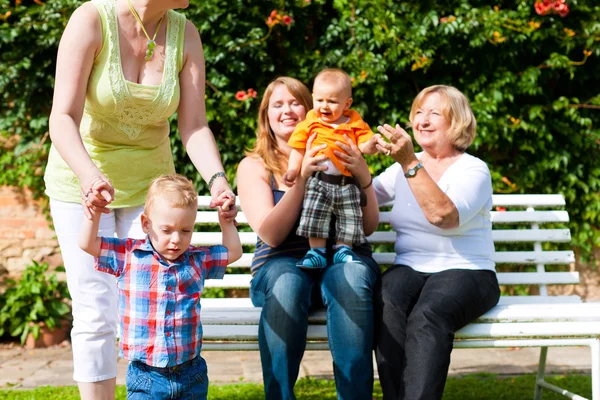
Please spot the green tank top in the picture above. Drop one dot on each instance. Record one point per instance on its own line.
(124, 126)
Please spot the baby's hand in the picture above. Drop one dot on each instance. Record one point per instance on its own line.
(369, 147)
(290, 177)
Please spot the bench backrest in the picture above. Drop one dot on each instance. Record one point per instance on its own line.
(523, 225)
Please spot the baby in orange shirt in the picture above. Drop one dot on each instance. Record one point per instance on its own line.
(334, 191)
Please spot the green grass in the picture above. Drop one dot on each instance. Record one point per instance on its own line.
(470, 387)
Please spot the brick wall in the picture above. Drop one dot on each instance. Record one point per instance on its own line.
(25, 233)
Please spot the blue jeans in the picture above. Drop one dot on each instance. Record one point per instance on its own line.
(185, 381)
(286, 293)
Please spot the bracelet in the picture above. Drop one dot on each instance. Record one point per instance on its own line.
(369, 185)
(219, 174)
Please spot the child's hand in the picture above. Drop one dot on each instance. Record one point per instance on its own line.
(370, 147)
(226, 216)
(225, 203)
(98, 195)
(289, 178)
(90, 212)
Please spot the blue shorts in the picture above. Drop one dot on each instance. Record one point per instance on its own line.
(184, 381)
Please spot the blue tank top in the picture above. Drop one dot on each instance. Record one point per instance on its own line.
(293, 245)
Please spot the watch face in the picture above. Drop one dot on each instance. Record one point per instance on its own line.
(412, 172)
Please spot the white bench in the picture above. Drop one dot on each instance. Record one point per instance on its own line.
(542, 320)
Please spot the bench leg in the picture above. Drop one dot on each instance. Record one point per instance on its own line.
(595, 349)
(537, 395)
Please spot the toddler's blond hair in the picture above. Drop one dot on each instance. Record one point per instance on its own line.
(177, 189)
(335, 76)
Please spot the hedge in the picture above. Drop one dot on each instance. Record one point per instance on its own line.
(529, 68)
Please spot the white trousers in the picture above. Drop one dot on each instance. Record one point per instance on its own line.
(94, 293)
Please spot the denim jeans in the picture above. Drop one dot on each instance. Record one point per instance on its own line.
(416, 317)
(185, 381)
(287, 293)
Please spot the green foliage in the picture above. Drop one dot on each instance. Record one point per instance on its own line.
(532, 80)
(34, 299)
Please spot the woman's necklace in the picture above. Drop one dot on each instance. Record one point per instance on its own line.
(151, 42)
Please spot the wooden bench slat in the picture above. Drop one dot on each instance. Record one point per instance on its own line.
(471, 331)
(534, 257)
(506, 257)
(531, 235)
(561, 257)
(245, 302)
(540, 217)
(499, 236)
(522, 313)
(528, 200)
(530, 330)
(504, 217)
(523, 200)
(511, 217)
(538, 278)
(504, 278)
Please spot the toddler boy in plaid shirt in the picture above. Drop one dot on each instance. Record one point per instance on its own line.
(160, 280)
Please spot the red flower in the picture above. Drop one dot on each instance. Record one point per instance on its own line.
(252, 93)
(287, 20)
(501, 209)
(241, 95)
(545, 7)
(565, 11)
(540, 9)
(273, 14)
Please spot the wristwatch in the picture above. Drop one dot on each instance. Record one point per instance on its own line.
(413, 171)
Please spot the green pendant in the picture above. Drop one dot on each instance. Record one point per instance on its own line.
(151, 46)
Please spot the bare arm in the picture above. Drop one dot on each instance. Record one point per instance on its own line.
(435, 204)
(271, 222)
(231, 239)
(88, 237)
(80, 43)
(193, 126)
(294, 165)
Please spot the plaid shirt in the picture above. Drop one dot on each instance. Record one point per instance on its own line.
(159, 304)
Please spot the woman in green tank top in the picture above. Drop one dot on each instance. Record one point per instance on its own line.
(123, 68)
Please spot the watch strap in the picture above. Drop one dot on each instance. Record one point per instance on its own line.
(411, 172)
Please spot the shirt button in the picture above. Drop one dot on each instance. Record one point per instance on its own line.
(168, 312)
(168, 333)
(169, 288)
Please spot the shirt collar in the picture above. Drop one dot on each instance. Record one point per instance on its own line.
(146, 245)
(143, 245)
(313, 120)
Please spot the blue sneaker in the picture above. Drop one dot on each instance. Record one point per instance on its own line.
(344, 254)
(314, 259)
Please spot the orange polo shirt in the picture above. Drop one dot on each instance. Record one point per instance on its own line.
(356, 129)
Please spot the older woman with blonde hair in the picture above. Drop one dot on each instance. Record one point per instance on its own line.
(287, 293)
(443, 276)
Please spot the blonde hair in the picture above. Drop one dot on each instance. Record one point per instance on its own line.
(335, 76)
(177, 189)
(456, 108)
(266, 147)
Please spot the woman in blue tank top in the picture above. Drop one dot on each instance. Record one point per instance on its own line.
(285, 292)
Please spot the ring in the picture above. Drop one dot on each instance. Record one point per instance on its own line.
(389, 151)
